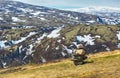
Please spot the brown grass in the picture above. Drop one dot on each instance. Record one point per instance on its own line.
(100, 65)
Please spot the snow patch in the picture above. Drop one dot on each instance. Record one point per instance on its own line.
(69, 51)
(15, 19)
(1, 18)
(55, 33)
(86, 38)
(91, 21)
(57, 48)
(2, 44)
(118, 35)
(44, 35)
(36, 13)
(63, 54)
(42, 18)
(47, 48)
(43, 60)
(24, 38)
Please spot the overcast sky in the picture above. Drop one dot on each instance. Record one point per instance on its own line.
(67, 4)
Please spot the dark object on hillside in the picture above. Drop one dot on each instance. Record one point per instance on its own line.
(79, 59)
(79, 56)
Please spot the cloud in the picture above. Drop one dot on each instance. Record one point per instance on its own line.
(72, 3)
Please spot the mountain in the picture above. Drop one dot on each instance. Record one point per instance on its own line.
(109, 15)
(14, 13)
(38, 34)
(24, 45)
(97, 9)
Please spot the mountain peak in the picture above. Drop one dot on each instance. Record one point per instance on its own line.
(92, 9)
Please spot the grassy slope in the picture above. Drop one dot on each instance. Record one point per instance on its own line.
(107, 33)
(15, 33)
(100, 65)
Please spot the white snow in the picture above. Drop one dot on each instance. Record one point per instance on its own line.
(97, 36)
(25, 27)
(55, 33)
(2, 44)
(118, 35)
(36, 13)
(108, 49)
(111, 21)
(86, 38)
(30, 51)
(40, 38)
(43, 60)
(68, 50)
(118, 45)
(62, 14)
(76, 18)
(63, 54)
(47, 48)
(24, 38)
(91, 21)
(9, 5)
(68, 15)
(105, 13)
(59, 41)
(24, 10)
(20, 49)
(15, 19)
(93, 9)
(42, 18)
(1, 18)
(57, 48)
(77, 45)
(4, 64)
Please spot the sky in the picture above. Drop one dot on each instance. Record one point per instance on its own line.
(67, 4)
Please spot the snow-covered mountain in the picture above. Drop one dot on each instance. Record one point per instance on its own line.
(18, 13)
(108, 15)
(99, 9)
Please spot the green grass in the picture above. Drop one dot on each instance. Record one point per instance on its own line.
(107, 32)
(96, 66)
(15, 33)
(70, 32)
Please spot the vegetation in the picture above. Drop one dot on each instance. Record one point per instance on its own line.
(99, 65)
(107, 35)
(15, 34)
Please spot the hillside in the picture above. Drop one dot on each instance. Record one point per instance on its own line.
(38, 34)
(99, 65)
(109, 15)
(13, 13)
(20, 46)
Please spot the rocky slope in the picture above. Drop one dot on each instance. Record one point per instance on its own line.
(14, 13)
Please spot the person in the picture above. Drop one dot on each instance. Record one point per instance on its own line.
(79, 56)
